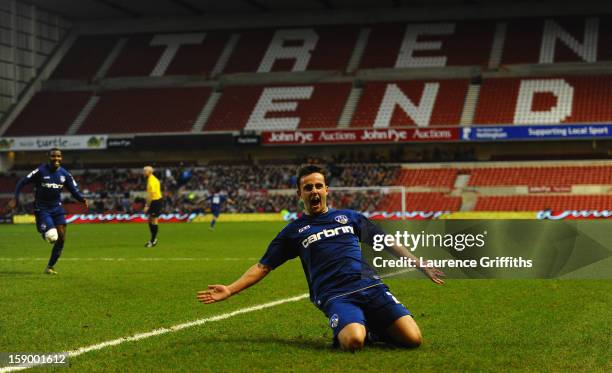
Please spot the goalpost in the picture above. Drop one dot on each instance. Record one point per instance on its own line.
(337, 193)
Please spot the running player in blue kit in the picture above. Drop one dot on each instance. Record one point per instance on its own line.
(49, 180)
(216, 199)
(342, 285)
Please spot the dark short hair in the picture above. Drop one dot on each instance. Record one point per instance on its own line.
(310, 169)
(54, 150)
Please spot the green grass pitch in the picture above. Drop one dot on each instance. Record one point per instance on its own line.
(110, 286)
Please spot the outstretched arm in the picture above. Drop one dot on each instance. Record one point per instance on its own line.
(217, 293)
(20, 184)
(74, 190)
(369, 230)
(73, 187)
(433, 273)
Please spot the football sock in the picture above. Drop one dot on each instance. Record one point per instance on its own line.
(56, 252)
(212, 223)
(153, 229)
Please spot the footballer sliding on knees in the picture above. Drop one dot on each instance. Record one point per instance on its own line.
(359, 306)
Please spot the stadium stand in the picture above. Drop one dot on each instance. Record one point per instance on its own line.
(169, 54)
(146, 110)
(541, 176)
(441, 177)
(85, 57)
(279, 107)
(554, 40)
(393, 45)
(313, 48)
(364, 174)
(436, 44)
(418, 102)
(433, 102)
(49, 113)
(8, 183)
(196, 53)
(233, 63)
(199, 59)
(551, 202)
(420, 202)
(137, 58)
(569, 99)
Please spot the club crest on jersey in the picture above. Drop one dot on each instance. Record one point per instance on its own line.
(342, 219)
(303, 228)
(333, 321)
(62, 178)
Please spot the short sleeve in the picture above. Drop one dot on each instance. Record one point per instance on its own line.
(366, 229)
(32, 176)
(279, 251)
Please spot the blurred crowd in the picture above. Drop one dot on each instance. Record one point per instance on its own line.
(250, 188)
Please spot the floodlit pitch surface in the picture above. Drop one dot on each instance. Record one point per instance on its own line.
(110, 286)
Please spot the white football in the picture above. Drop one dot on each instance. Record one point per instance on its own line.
(51, 235)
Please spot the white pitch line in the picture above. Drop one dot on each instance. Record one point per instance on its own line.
(172, 329)
(175, 328)
(156, 259)
(400, 272)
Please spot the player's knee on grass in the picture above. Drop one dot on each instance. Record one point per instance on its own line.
(405, 332)
(352, 337)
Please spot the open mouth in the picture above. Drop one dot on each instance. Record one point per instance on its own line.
(315, 202)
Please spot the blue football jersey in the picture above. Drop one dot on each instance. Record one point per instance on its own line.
(216, 200)
(328, 247)
(48, 186)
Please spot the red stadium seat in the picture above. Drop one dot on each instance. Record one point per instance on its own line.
(420, 202)
(49, 113)
(536, 203)
(142, 54)
(585, 99)
(332, 50)
(146, 110)
(446, 96)
(465, 43)
(8, 184)
(524, 42)
(442, 178)
(541, 176)
(74, 208)
(319, 106)
(85, 57)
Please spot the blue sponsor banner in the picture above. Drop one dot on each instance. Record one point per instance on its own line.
(540, 132)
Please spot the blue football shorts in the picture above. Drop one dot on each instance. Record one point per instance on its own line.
(47, 218)
(375, 308)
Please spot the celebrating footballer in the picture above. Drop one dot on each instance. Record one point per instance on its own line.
(359, 306)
